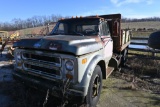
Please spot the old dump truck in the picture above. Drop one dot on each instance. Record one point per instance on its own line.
(74, 58)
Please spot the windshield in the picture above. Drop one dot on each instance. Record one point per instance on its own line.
(81, 27)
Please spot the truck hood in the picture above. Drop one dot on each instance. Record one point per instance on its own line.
(77, 45)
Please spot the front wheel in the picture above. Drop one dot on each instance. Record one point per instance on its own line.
(95, 87)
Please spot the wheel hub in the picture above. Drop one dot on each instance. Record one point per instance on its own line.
(96, 86)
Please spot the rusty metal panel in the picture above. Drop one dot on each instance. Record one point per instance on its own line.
(115, 28)
(111, 16)
(116, 34)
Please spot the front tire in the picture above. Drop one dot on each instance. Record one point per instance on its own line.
(95, 87)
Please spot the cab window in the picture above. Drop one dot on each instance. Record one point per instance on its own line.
(104, 29)
(60, 28)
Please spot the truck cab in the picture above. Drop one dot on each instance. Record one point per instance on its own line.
(78, 53)
(92, 33)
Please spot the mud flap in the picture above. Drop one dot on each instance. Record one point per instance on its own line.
(114, 63)
(109, 71)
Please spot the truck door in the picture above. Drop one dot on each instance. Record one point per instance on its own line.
(106, 40)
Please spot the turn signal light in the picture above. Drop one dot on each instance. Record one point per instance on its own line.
(69, 76)
(19, 64)
(84, 60)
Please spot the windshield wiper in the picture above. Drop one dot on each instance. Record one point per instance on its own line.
(79, 33)
(53, 33)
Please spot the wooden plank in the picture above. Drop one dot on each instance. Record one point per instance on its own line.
(137, 49)
(139, 38)
(150, 55)
(144, 50)
(134, 43)
(109, 71)
(124, 46)
(137, 54)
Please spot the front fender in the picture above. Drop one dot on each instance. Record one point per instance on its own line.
(84, 84)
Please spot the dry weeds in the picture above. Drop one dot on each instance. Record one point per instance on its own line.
(142, 74)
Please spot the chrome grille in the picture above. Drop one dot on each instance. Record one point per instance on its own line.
(48, 58)
(42, 64)
(37, 69)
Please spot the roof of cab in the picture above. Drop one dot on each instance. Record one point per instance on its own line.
(82, 18)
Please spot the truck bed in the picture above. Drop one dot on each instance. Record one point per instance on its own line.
(121, 38)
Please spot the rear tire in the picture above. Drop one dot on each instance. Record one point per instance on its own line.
(95, 87)
(124, 57)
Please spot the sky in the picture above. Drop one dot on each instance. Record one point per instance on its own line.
(23, 9)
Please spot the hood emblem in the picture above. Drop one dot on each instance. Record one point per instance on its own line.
(54, 46)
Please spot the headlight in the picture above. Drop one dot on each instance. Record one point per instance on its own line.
(18, 55)
(69, 65)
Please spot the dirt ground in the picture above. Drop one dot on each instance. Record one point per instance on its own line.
(125, 88)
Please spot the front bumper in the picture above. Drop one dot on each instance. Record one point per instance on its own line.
(54, 86)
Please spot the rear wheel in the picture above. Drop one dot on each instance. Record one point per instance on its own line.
(124, 57)
(95, 87)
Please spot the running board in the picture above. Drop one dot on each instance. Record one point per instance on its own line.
(109, 71)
